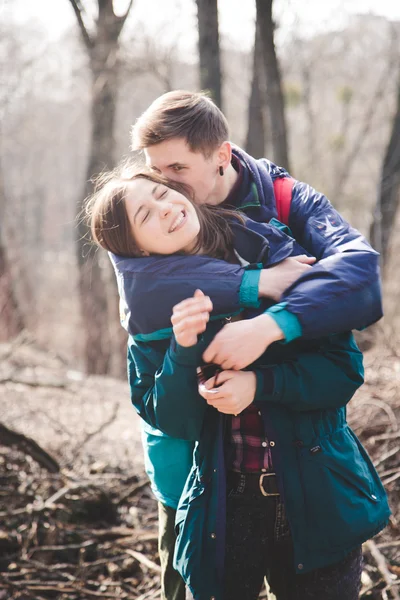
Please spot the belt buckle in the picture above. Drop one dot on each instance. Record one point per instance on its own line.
(260, 483)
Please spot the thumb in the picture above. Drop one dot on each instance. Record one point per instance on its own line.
(303, 258)
(198, 294)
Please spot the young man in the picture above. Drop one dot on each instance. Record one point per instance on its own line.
(185, 137)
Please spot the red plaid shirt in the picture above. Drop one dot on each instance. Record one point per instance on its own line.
(250, 449)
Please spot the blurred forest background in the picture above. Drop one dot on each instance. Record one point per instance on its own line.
(326, 105)
(317, 92)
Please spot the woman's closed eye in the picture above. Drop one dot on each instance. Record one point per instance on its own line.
(162, 195)
(146, 216)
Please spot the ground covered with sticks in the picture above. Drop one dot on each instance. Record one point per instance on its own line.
(77, 518)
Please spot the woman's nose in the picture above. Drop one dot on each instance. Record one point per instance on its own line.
(165, 209)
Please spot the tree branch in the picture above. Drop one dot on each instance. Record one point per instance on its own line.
(8, 437)
(78, 10)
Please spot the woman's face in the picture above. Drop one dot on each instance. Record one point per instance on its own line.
(162, 220)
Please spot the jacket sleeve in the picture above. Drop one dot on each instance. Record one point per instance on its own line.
(164, 387)
(327, 375)
(150, 287)
(342, 291)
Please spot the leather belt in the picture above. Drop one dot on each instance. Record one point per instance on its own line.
(266, 483)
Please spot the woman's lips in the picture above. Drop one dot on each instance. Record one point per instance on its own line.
(178, 222)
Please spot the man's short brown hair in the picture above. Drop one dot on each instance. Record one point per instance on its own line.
(192, 116)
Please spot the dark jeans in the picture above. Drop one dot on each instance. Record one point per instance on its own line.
(172, 584)
(258, 545)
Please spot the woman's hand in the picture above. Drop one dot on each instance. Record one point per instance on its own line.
(235, 391)
(190, 318)
(275, 280)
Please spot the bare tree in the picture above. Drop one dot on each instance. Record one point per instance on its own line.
(389, 190)
(102, 44)
(255, 140)
(152, 57)
(11, 320)
(210, 63)
(275, 100)
(346, 96)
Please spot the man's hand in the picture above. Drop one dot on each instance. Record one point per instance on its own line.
(239, 344)
(190, 318)
(236, 392)
(275, 280)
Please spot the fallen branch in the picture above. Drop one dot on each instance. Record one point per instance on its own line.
(380, 561)
(142, 559)
(387, 455)
(8, 437)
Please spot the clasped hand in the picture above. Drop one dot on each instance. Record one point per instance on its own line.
(235, 391)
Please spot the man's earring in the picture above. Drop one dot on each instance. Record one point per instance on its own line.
(221, 171)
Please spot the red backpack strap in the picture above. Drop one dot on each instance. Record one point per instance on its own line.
(283, 187)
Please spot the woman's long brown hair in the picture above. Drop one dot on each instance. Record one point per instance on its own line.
(110, 226)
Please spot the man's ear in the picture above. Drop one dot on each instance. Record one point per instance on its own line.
(224, 155)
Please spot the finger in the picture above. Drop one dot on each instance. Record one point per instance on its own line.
(210, 353)
(210, 395)
(222, 391)
(197, 301)
(190, 311)
(303, 258)
(191, 322)
(195, 305)
(198, 294)
(227, 406)
(227, 364)
(188, 319)
(223, 376)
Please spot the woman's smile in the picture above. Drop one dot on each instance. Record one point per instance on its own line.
(178, 222)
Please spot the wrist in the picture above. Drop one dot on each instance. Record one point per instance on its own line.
(266, 288)
(268, 328)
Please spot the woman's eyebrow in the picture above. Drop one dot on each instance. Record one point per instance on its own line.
(153, 191)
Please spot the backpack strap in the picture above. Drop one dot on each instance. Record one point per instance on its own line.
(283, 187)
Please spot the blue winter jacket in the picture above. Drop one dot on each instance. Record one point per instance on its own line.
(341, 293)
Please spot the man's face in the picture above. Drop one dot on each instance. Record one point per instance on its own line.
(174, 160)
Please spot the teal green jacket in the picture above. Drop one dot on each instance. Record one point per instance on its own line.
(333, 496)
(168, 447)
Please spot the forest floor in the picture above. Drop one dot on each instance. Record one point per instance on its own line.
(77, 517)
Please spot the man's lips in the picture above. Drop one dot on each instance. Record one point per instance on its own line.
(178, 221)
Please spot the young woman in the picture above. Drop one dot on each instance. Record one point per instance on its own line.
(297, 504)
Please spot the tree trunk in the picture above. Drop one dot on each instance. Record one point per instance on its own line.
(102, 47)
(210, 64)
(275, 100)
(11, 321)
(255, 141)
(389, 191)
(94, 304)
